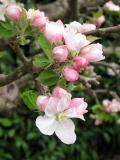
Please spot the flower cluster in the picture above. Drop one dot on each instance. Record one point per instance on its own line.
(111, 106)
(58, 110)
(68, 41)
(106, 112)
(98, 20)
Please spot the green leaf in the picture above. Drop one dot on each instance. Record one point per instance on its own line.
(2, 53)
(62, 83)
(107, 137)
(46, 47)
(6, 122)
(7, 25)
(117, 54)
(116, 13)
(7, 31)
(96, 108)
(98, 14)
(29, 98)
(103, 116)
(48, 77)
(40, 61)
(23, 22)
(1, 132)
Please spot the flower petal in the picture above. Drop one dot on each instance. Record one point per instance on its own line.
(46, 125)
(77, 112)
(65, 131)
(51, 108)
(64, 102)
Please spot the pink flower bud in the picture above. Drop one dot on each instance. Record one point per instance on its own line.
(38, 19)
(97, 122)
(54, 32)
(70, 74)
(13, 12)
(36, 14)
(93, 52)
(86, 27)
(42, 102)
(106, 102)
(60, 53)
(59, 92)
(40, 22)
(98, 21)
(79, 62)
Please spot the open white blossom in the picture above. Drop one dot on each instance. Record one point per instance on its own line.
(57, 118)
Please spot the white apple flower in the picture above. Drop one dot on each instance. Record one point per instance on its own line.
(57, 118)
(111, 6)
(75, 41)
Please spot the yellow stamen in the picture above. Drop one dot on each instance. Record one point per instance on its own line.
(60, 116)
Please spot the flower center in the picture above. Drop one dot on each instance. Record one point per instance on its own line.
(60, 116)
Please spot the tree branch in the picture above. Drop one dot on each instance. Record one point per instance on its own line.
(111, 50)
(19, 52)
(105, 91)
(114, 67)
(74, 9)
(18, 73)
(86, 81)
(104, 31)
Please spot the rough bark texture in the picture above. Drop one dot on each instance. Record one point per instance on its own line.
(55, 10)
(9, 98)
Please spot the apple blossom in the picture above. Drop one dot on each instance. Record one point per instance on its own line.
(33, 14)
(57, 118)
(98, 21)
(70, 74)
(80, 62)
(54, 32)
(93, 52)
(3, 5)
(111, 106)
(42, 102)
(106, 104)
(77, 108)
(58, 92)
(13, 12)
(75, 41)
(97, 122)
(111, 6)
(73, 26)
(37, 18)
(86, 27)
(60, 53)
